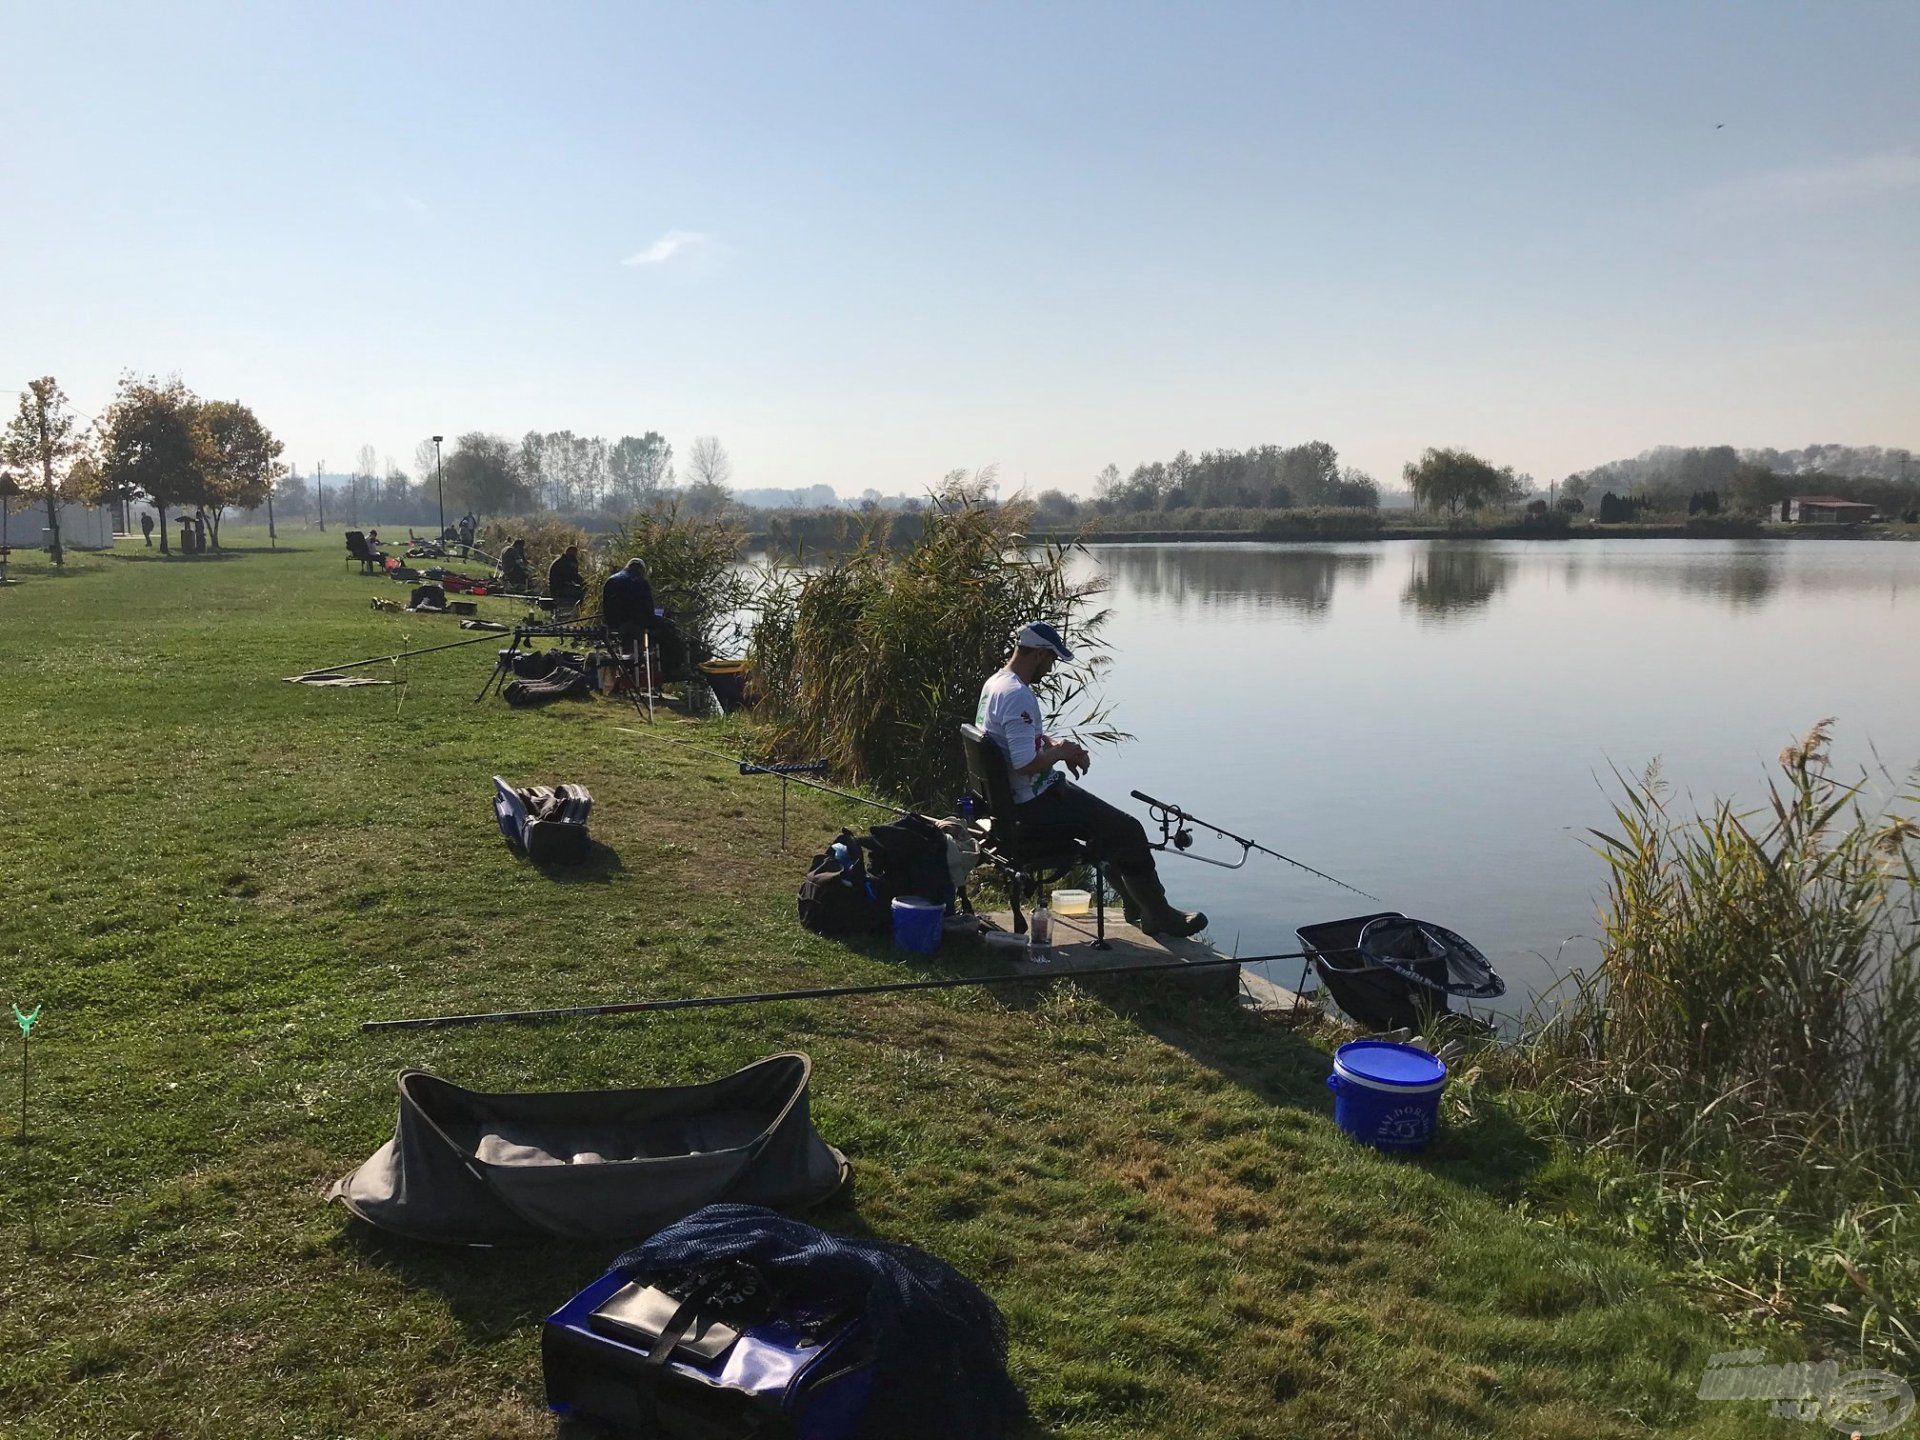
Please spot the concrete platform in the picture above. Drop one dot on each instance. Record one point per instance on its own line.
(1073, 950)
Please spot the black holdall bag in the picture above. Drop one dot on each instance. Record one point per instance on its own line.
(839, 896)
(909, 857)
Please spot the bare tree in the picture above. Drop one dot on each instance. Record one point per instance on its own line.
(708, 463)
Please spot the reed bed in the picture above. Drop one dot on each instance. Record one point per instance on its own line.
(1750, 1047)
(874, 660)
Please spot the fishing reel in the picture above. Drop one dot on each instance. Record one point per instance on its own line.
(1176, 832)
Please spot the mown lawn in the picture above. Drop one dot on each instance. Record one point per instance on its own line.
(209, 878)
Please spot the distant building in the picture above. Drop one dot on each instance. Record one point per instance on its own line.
(1827, 510)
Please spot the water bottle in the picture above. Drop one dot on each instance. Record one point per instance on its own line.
(841, 855)
(1040, 935)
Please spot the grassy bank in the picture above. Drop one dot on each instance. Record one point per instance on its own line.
(211, 878)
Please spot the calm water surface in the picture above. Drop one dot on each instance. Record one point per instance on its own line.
(1436, 721)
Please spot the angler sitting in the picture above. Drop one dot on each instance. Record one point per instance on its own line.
(1049, 802)
(516, 570)
(627, 609)
(564, 582)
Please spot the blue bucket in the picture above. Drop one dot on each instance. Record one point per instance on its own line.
(916, 924)
(1387, 1095)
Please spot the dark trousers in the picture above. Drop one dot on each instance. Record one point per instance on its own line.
(1064, 811)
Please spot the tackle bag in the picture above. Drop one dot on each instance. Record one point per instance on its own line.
(839, 896)
(909, 857)
(549, 823)
(739, 1322)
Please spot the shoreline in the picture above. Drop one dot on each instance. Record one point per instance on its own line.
(1499, 532)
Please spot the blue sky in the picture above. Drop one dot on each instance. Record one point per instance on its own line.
(865, 245)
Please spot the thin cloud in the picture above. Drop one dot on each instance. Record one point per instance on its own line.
(675, 244)
(384, 201)
(1820, 187)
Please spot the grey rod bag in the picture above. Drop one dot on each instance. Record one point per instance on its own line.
(466, 1167)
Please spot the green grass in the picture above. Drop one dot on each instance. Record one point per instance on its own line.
(209, 878)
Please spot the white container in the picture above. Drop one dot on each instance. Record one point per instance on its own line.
(1072, 902)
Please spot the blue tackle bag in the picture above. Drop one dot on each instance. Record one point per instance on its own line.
(738, 1321)
(716, 1355)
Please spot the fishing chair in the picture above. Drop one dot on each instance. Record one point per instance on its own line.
(1027, 864)
(358, 549)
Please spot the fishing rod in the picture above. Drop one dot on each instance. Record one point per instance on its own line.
(825, 992)
(786, 773)
(1174, 833)
(383, 659)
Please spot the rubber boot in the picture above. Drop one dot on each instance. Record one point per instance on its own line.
(1129, 907)
(1157, 916)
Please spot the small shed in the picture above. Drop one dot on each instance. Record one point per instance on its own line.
(1827, 510)
(82, 527)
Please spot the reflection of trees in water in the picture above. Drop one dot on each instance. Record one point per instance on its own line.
(1746, 579)
(1743, 577)
(1448, 580)
(1227, 577)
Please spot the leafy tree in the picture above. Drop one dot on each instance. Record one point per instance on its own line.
(239, 459)
(640, 467)
(152, 444)
(1357, 488)
(1458, 479)
(290, 493)
(40, 444)
(483, 475)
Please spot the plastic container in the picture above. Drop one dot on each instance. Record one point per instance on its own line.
(1071, 902)
(1387, 1095)
(917, 924)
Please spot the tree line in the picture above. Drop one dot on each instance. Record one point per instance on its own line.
(156, 441)
(1262, 477)
(1752, 482)
(585, 476)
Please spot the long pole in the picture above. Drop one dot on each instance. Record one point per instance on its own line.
(272, 538)
(403, 655)
(747, 767)
(320, 491)
(440, 486)
(825, 992)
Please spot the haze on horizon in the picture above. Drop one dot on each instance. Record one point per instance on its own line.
(865, 245)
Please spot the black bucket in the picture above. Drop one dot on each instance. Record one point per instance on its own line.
(728, 681)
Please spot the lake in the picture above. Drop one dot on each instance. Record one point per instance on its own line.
(1436, 721)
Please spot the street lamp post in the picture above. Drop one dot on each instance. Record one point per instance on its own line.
(439, 485)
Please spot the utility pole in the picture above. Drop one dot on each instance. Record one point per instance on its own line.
(320, 494)
(271, 538)
(439, 485)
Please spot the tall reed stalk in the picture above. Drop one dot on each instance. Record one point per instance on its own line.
(1751, 1042)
